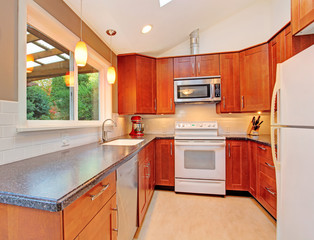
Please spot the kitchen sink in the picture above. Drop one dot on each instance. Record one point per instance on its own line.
(124, 142)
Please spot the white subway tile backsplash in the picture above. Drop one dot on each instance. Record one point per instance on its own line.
(6, 143)
(17, 146)
(9, 107)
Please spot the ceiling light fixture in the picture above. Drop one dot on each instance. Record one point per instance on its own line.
(111, 72)
(80, 52)
(164, 2)
(147, 28)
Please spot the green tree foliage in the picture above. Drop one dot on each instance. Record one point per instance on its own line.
(38, 103)
(50, 99)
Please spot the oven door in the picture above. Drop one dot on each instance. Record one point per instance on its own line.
(200, 159)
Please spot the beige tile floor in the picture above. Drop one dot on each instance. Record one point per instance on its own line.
(174, 216)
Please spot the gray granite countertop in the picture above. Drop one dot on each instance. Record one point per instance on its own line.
(263, 139)
(53, 181)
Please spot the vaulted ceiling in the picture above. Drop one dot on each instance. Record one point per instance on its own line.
(172, 23)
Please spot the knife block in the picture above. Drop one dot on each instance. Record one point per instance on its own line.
(251, 131)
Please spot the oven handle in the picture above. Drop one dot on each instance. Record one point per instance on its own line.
(198, 144)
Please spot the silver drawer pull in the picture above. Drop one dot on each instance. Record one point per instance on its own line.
(93, 197)
(264, 149)
(271, 192)
(269, 165)
(114, 229)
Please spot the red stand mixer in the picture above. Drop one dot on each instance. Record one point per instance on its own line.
(137, 126)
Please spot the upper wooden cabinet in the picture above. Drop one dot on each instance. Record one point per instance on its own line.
(302, 15)
(136, 85)
(196, 66)
(237, 166)
(254, 79)
(165, 162)
(165, 100)
(230, 83)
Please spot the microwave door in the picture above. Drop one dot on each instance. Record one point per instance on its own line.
(193, 93)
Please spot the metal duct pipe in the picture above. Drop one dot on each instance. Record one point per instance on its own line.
(194, 42)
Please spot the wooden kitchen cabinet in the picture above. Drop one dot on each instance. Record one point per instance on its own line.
(104, 224)
(230, 83)
(146, 179)
(254, 79)
(164, 83)
(253, 167)
(196, 66)
(302, 14)
(165, 162)
(136, 84)
(237, 166)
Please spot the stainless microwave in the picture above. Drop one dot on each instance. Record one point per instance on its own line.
(189, 90)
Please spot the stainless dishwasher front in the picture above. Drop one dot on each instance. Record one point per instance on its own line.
(127, 182)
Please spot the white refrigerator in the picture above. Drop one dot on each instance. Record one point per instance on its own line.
(292, 134)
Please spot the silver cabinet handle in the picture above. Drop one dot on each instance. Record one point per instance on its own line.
(264, 149)
(171, 104)
(229, 150)
(155, 104)
(171, 148)
(117, 210)
(242, 101)
(224, 102)
(271, 192)
(199, 68)
(269, 165)
(193, 70)
(93, 197)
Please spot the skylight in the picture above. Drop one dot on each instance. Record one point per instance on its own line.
(164, 2)
(44, 44)
(33, 48)
(49, 60)
(65, 55)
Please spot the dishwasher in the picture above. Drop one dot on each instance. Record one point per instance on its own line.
(127, 182)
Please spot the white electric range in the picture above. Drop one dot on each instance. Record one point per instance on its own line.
(200, 165)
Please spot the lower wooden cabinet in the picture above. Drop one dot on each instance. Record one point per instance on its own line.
(252, 155)
(237, 166)
(104, 224)
(165, 162)
(146, 179)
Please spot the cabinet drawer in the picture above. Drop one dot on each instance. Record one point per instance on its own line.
(267, 167)
(268, 193)
(264, 151)
(80, 213)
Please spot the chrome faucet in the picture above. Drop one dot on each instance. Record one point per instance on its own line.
(104, 133)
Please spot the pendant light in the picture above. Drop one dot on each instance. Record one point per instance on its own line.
(81, 49)
(111, 73)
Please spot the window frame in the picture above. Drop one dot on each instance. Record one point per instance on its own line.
(33, 14)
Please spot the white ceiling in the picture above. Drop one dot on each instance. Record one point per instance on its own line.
(172, 23)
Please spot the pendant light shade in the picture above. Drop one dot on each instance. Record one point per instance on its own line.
(81, 54)
(111, 75)
(29, 63)
(69, 79)
(111, 72)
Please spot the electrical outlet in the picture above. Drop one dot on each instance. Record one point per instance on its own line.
(228, 130)
(65, 140)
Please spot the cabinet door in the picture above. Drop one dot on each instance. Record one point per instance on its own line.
(237, 171)
(302, 14)
(288, 42)
(127, 84)
(142, 186)
(165, 162)
(230, 83)
(252, 155)
(146, 101)
(254, 79)
(207, 65)
(184, 67)
(165, 103)
(103, 225)
(151, 169)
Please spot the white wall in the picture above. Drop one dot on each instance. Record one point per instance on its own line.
(236, 123)
(18, 146)
(280, 14)
(246, 28)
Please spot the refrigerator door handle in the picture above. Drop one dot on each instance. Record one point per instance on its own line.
(275, 96)
(274, 146)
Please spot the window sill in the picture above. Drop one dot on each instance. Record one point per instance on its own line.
(50, 127)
